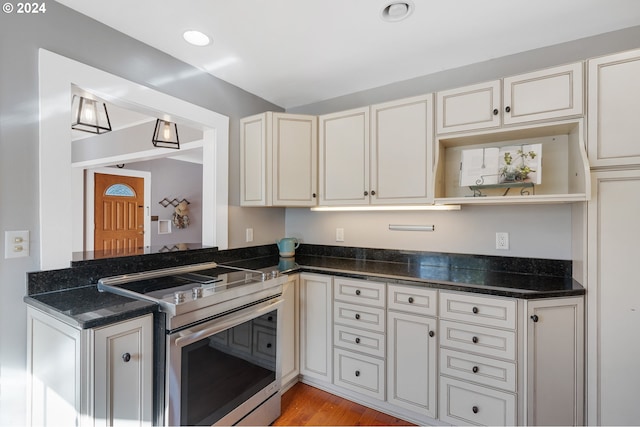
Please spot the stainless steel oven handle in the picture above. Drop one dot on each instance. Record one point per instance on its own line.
(192, 335)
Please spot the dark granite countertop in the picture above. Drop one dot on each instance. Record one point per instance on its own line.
(526, 286)
(86, 307)
(71, 294)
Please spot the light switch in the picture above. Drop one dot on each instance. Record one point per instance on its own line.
(16, 244)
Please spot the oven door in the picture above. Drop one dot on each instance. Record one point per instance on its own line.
(222, 370)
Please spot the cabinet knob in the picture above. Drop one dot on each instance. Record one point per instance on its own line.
(357, 373)
(357, 291)
(268, 345)
(495, 111)
(357, 340)
(432, 334)
(357, 316)
(474, 340)
(475, 310)
(314, 195)
(270, 318)
(366, 193)
(373, 192)
(410, 300)
(475, 409)
(535, 318)
(508, 109)
(475, 369)
(126, 357)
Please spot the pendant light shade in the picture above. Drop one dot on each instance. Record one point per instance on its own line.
(166, 135)
(89, 115)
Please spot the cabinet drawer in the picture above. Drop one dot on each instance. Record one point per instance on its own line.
(360, 373)
(359, 340)
(356, 316)
(486, 311)
(478, 339)
(463, 403)
(264, 343)
(412, 299)
(359, 291)
(478, 369)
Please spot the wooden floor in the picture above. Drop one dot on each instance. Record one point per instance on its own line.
(303, 405)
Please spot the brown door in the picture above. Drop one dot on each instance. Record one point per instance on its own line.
(119, 214)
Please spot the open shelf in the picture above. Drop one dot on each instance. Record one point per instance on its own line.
(564, 168)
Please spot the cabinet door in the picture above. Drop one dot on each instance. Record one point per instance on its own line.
(555, 361)
(614, 299)
(123, 357)
(543, 95)
(614, 108)
(255, 161)
(402, 151)
(54, 371)
(411, 363)
(315, 326)
(290, 333)
(344, 157)
(469, 108)
(295, 157)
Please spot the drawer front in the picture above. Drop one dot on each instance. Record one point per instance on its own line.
(360, 373)
(264, 342)
(412, 299)
(462, 403)
(478, 339)
(368, 342)
(356, 316)
(486, 311)
(359, 291)
(478, 369)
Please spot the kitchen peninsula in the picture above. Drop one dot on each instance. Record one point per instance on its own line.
(493, 327)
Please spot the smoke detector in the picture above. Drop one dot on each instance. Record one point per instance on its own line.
(396, 11)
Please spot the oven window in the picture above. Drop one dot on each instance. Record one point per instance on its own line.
(222, 371)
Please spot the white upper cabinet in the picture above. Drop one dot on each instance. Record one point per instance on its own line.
(402, 151)
(614, 110)
(541, 95)
(344, 157)
(278, 160)
(468, 108)
(378, 155)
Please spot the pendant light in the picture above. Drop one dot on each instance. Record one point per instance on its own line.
(89, 115)
(166, 135)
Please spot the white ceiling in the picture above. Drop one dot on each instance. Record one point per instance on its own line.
(296, 52)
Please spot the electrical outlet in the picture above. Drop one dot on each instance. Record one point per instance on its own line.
(339, 234)
(16, 244)
(249, 235)
(502, 241)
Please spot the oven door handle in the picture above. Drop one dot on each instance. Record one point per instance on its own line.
(190, 336)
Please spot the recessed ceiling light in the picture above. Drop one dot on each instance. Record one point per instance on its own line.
(196, 38)
(397, 11)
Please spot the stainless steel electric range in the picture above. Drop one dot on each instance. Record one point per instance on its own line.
(217, 342)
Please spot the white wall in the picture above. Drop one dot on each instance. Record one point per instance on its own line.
(534, 231)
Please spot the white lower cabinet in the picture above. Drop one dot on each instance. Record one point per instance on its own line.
(123, 377)
(359, 336)
(434, 356)
(100, 376)
(554, 361)
(412, 349)
(315, 326)
(290, 332)
(411, 358)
